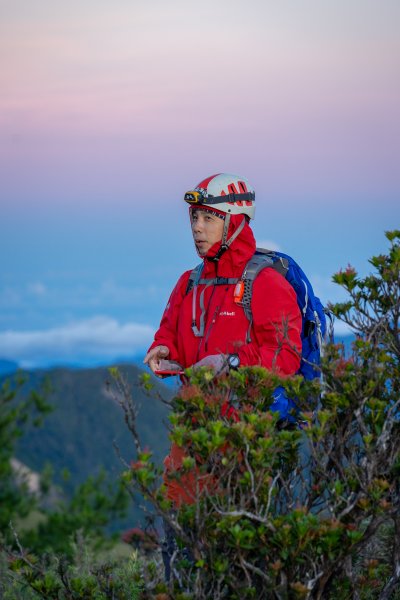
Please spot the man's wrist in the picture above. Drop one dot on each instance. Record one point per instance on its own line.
(233, 361)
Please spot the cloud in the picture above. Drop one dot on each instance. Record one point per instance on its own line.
(326, 289)
(268, 245)
(80, 342)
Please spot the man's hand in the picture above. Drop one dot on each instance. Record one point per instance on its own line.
(218, 362)
(153, 357)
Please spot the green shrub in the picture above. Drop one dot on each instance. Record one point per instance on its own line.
(294, 514)
(25, 576)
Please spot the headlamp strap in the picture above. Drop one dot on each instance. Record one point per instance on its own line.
(196, 197)
(245, 197)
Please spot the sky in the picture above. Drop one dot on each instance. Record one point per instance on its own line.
(110, 111)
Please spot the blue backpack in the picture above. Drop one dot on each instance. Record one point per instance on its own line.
(314, 324)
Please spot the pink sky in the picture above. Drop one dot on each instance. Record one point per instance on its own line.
(295, 95)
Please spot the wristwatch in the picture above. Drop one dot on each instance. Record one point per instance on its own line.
(233, 361)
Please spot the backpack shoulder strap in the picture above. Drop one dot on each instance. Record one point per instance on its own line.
(194, 276)
(271, 259)
(260, 260)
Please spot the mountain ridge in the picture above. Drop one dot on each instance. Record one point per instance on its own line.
(81, 432)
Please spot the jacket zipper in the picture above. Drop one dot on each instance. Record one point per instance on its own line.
(213, 320)
(204, 339)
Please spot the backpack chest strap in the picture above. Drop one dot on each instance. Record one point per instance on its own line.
(219, 281)
(196, 279)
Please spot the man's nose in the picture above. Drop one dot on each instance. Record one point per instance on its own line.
(197, 225)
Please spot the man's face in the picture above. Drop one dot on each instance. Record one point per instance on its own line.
(207, 230)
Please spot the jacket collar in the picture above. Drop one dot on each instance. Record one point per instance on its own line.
(234, 260)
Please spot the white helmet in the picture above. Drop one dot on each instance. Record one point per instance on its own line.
(227, 193)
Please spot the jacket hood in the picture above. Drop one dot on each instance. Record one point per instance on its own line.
(233, 261)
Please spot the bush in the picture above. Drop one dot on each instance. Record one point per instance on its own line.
(26, 569)
(292, 513)
(25, 576)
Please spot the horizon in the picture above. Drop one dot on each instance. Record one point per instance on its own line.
(110, 112)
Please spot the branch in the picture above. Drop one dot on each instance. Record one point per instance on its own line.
(257, 571)
(250, 470)
(21, 550)
(124, 399)
(249, 515)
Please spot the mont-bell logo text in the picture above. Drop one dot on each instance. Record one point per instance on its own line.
(227, 313)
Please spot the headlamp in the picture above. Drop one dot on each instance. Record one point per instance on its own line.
(194, 197)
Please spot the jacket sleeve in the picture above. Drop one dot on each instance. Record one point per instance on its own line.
(275, 333)
(166, 335)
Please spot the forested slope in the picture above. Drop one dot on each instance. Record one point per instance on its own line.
(85, 422)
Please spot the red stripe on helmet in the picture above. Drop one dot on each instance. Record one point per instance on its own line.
(203, 184)
(232, 188)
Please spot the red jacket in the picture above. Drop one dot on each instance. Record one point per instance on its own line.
(273, 304)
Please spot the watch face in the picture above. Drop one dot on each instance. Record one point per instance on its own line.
(234, 361)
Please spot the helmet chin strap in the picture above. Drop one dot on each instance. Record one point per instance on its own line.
(225, 243)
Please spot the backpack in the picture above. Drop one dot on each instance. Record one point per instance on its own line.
(314, 315)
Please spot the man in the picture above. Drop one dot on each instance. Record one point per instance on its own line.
(204, 323)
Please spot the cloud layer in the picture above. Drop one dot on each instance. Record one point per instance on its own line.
(93, 341)
(81, 342)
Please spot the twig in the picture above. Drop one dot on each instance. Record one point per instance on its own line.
(244, 513)
(257, 571)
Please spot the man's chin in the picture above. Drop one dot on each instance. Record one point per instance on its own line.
(201, 250)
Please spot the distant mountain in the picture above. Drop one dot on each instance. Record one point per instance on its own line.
(7, 367)
(80, 432)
